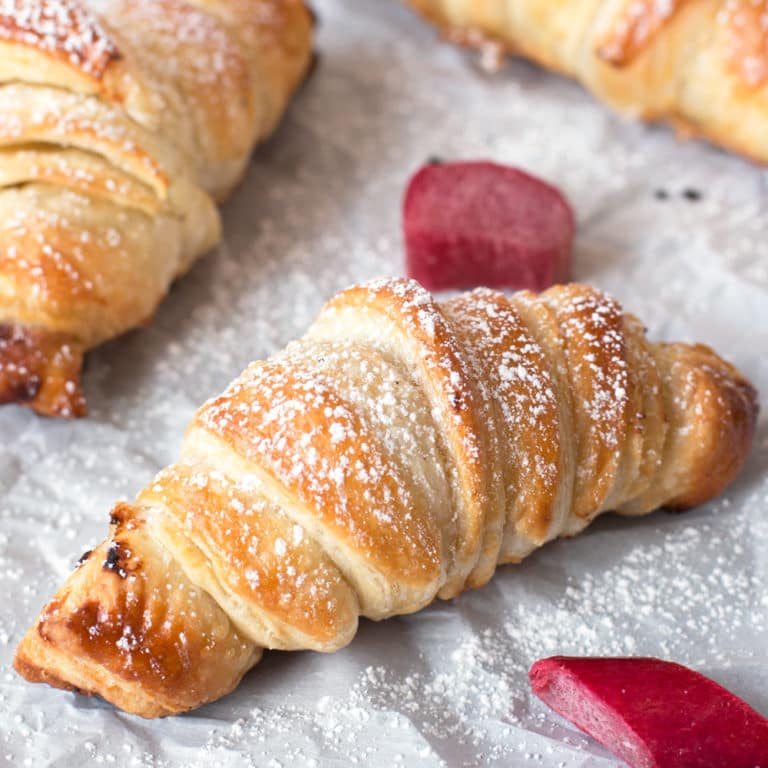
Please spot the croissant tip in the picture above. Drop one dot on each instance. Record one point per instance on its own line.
(34, 672)
(730, 403)
(41, 370)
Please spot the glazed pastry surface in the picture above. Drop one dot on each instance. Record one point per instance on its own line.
(701, 66)
(399, 452)
(121, 125)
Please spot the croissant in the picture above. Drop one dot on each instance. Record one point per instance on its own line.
(702, 66)
(399, 452)
(121, 124)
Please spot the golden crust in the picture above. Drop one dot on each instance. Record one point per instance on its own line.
(42, 370)
(541, 323)
(87, 267)
(258, 557)
(418, 329)
(76, 170)
(716, 411)
(64, 30)
(324, 483)
(595, 356)
(37, 114)
(747, 45)
(702, 65)
(130, 627)
(111, 160)
(525, 415)
(273, 417)
(633, 30)
(647, 414)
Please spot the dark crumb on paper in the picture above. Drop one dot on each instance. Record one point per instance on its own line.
(689, 193)
(435, 160)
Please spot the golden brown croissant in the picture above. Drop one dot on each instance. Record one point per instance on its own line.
(121, 124)
(400, 451)
(702, 65)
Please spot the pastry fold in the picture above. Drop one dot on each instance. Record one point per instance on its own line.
(122, 124)
(701, 65)
(399, 452)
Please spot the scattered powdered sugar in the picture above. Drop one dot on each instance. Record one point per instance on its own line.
(467, 695)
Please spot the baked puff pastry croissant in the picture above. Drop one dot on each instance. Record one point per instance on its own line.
(121, 125)
(399, 452)
(701, 65)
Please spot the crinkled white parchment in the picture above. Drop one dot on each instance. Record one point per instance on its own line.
(320, 209)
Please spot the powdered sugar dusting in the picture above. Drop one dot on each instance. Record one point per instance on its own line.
(746, 24)
(280, 415)
(510, 365)
(296, 597)
(63, 28)
(424, 341)
(633, 29)
(591, 326)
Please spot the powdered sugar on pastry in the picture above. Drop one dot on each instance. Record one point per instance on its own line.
(295, 510)
(747, 47)
(135, 119)
(61, 27)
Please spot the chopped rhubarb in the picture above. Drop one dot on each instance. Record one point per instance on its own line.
(652, 713)
(478, 223)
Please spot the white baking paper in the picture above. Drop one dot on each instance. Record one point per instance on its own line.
(320, 209)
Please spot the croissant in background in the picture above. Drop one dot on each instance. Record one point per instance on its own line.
(702, 66)
(399, 452)
(121, 124)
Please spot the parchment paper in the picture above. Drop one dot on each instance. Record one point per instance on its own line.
(320, 209)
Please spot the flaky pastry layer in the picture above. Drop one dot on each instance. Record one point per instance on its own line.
(701, 65)
(122, 123)
(401, 451)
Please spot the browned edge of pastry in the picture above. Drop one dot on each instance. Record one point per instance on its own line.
(120, 628)
(728, 401)
(41, 369)
(34, 673)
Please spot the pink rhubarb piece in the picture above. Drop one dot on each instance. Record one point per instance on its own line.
(478, 223)
(652, 713)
